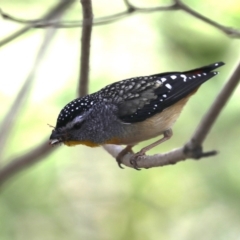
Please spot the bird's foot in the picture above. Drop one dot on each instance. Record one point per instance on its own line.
(126, 150)
(135, 158)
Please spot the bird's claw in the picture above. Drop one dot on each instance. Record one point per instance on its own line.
(135, 158)
(119, 162)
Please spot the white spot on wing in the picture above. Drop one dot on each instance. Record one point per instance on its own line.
(168, 86)
(163, 79)
(158, 83)
(173, 77)
(184, 77)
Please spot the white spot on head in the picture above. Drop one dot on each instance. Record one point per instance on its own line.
(168, 86)
(173, 77)
(163, 79)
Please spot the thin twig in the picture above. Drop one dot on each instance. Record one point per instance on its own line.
(177, 5)
(29, 158)
(53, 13)
(133, 8)
(208, 120)
(227, 30)
(85, 47)
(22, 162)
(15, 35)
(11, 116)
(7, 16)
(40, 23)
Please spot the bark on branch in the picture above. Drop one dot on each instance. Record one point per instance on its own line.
(85, 47)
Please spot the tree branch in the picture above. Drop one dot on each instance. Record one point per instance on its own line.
(9, 120)
(227, 30)
(146, 161)
(131, 9)
(52, 14)
(22, 162)
(85, 47)
(42, 150)
(208, 120)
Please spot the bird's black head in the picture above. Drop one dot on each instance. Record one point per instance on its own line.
(71, 117)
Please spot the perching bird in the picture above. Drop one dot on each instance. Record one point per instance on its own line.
(130, 111)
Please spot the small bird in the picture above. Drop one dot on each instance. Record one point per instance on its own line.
(130, 111)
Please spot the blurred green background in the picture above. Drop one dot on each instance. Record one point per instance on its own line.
(79, 192)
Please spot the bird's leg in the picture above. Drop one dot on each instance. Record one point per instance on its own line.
(166, 135)
(127, 149)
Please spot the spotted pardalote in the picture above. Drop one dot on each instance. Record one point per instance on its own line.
(130, 111)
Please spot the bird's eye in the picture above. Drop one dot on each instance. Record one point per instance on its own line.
(77, 125)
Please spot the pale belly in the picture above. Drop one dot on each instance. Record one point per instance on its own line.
(155, 125)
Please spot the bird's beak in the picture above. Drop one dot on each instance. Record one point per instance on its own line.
(55, 138)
